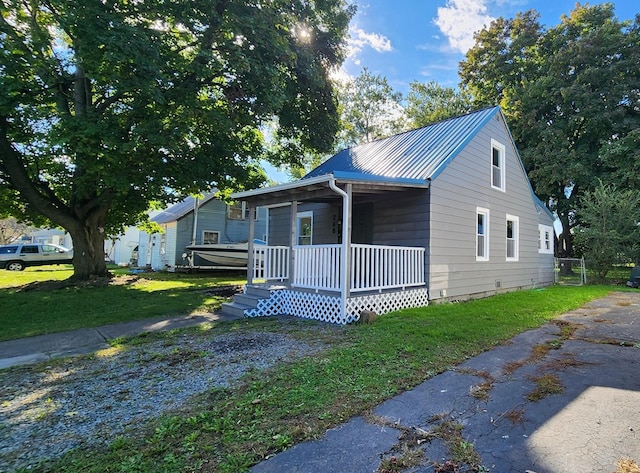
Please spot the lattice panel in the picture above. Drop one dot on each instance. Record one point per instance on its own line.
(386, 302)
(315, 306)
(327, 308)
(276, 304)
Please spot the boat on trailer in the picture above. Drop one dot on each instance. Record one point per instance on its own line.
(224, 254)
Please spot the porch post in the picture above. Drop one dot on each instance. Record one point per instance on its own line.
(250, 257)
(292, 239)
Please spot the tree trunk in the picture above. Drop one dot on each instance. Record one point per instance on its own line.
(88, 246)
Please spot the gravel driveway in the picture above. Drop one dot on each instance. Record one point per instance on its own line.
(47, 409)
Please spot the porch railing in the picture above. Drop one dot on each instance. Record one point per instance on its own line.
(376, 267)
(271, 262)
(372, 267)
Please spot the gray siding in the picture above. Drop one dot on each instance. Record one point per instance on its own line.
(324, 230)
(464, 185)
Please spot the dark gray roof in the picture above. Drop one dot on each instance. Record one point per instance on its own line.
(181, 209)
(417, 154)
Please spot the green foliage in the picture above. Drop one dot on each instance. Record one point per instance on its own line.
(571, 94)
(105, 107)
(609, 232)
(370, 109)
(430, 102)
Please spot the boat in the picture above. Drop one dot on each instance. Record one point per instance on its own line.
(224, 254)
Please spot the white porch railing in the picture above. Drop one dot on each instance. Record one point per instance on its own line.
(375, 267)
(372, 267)
(271, 262)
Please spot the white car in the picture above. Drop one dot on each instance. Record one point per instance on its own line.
(18, 256)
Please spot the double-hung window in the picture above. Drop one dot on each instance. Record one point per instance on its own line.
(482, 234)
(513, 238)
(545, 239)
(210, 237)
(498, 166)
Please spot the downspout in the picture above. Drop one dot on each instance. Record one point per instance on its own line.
(346, 245)
(195, 220)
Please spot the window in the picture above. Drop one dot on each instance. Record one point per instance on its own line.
(47, 249)
(512, 238)
(210, 237)
(482, 235)
(240, 211)
(305, 228)
(545, 239)
(29, 249)
(237, 211)
(497, 165)
(6, 250)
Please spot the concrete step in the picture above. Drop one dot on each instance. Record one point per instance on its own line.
(262, 291)
(235, 309)
(248, 299)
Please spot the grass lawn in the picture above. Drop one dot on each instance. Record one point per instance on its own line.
(26, 313)
(228, 430)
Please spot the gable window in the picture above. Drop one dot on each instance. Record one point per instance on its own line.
(305, 228)
(210, 237)
(512, 238)
(497, 165)
(545, 239)
(482, 234)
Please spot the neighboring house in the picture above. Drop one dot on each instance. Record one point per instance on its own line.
(444, 212)
(215, 222)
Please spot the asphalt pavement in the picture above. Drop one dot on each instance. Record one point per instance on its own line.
(497, 410)
(561, 398)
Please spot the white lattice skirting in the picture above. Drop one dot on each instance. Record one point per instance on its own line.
(327, 308)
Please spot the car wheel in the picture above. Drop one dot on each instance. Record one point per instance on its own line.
(15, 266)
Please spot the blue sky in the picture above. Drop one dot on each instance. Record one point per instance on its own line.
(423, 40)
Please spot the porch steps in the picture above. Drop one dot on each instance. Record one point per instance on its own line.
(249, 299)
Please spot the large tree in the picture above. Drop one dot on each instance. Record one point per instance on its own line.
(106, 106)
(572, 94)
(370, 109)
(430, 102)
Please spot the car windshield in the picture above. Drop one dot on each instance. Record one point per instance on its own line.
(7, 250)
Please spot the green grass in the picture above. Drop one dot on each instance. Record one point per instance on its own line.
(228, 430)
(34, 312)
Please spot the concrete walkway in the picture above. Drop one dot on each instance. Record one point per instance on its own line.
(592, 424)
(88, 340)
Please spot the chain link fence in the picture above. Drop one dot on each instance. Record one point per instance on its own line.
(570, 271)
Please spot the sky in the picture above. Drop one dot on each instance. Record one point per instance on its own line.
(423, 40)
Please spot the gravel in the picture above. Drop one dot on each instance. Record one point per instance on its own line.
(47, 410)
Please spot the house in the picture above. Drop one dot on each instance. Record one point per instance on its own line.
(444, 212)
(197, 220)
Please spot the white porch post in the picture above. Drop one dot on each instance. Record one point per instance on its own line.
(250, 257)
(292, 239)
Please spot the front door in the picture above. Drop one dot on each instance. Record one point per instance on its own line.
(362, 224)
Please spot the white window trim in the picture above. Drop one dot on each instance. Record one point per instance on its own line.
(486, 213)
(542, 230)
(210, 231)
(503, 158)
(244, 212)
(516, 237)
(299, 217)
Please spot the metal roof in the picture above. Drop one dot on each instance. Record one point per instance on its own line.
(416, 154)
(181, 209)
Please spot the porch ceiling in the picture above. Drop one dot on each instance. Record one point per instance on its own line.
(319, 190)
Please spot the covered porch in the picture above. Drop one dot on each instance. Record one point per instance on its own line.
(332, 281)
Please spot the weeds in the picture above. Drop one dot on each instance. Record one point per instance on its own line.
(546, 385)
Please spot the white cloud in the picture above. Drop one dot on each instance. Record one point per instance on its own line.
(359, 39)
(459, 19)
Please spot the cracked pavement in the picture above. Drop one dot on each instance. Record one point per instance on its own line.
(592, 355)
